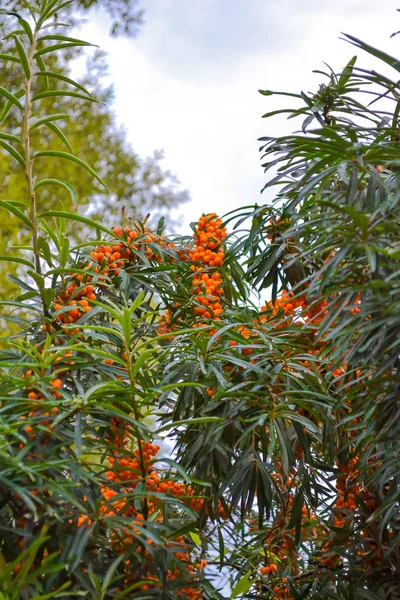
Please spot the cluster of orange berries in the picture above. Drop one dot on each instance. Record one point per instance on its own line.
(280, 540)
(36, 396)
(208, 290)
(343, 510)
(206, 257)
(208, 235)
(347, 491)
(267, 569)
(107, 260)
(76, 299)
(295, 306)
(277, 227)
(128, 471)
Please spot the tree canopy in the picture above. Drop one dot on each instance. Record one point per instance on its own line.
(137, 185)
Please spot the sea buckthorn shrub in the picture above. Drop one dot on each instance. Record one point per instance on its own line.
(165, 432)
(88, 505)
(326, 251)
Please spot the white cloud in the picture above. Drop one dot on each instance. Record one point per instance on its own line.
(188, 83)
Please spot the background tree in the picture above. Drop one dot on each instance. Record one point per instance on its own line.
(140, 185)
(126, 16)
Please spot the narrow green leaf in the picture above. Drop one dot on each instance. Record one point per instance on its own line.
(60, 46)
(48, 296)
(242, 586)
(75, 217)
(60, 134)
(9, 104)
(11, 138)
(63, 38)
(22, 56)
(43, 71)
(55, 93)
(195, 538)
(27, 28)
(64, 253)
(9, 57)
(108, 579)
(137, 302)
(11, 150)
(54, 593)
(24, 24)
(16, 259)
(51, 10)
(50, 232)
(64, 78)
(390, 60)
(78, 161)
(45, 120)
(78, 434)
(11, 97)
(44, 247)
(347, 72)
(61, 183)
(143, 357)
(195, 421)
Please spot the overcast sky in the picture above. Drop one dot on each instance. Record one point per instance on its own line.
(188, 83)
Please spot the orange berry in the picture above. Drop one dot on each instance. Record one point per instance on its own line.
(273, 568)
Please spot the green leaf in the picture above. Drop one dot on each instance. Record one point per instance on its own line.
(9, 57)
(242, 586)
(11, 150)
(143, 357)
(75, 159)
(78, 434)
(16, 259)
(390, 60)
(107, 581)
(195, 538)
(43, 71)
(22, 56)
(60, 46)
(63, 38)
(59, 133)
(61, 183)
(45, 120)
(55, 93)
(11, 97)
(49, 10)
(137, 302)
(21, 284)
(64, 253)
(10, 137)
(24, 24)
(194, 421)
(44, 247)
(359, 218)
(9, 104)
(75, 217)
(54, 593)
(347, 72)
(13, 209)
(64, 78)
(48, 296)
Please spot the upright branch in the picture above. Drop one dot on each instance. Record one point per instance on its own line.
(28, 152)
